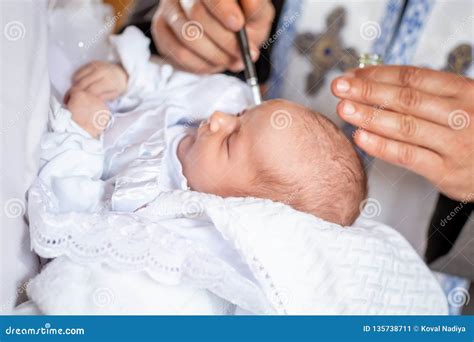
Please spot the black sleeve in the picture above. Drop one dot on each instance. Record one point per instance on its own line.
(142, 14)
(446, 224)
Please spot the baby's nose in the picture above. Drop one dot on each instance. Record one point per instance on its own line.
(219, 120)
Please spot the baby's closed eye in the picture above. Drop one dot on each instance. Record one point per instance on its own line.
(241, 113)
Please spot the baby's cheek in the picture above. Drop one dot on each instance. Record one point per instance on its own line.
(201, 175)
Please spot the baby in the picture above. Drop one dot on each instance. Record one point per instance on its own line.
(278, 150)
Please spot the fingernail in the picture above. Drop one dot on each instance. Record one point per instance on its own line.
(233, 22)
(342, 86)
(348, 108)
(254, 54)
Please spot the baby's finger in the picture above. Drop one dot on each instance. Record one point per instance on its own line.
(83, 72)
(70, 93)
(99, 87)
(109, 95)
(88, 80)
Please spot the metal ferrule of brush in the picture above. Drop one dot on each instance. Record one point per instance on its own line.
(253, 83)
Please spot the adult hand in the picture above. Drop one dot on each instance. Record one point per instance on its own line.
(199, 35)
(417, 118)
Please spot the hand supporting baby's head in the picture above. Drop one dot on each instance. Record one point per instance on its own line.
(280, 151)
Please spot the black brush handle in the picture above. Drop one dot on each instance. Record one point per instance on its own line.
(249, 70)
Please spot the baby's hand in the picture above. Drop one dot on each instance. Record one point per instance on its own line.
(106, 81)
(88, 111)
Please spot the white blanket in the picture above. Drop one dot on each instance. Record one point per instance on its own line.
(259, 256)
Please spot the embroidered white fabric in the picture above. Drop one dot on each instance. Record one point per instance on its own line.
(301, 264)
(133, 242)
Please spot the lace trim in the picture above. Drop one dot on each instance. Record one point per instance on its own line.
(132, 242)
(193, 204)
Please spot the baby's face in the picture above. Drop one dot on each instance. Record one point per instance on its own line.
(226, 151)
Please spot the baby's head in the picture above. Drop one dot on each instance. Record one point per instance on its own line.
(281, 151)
